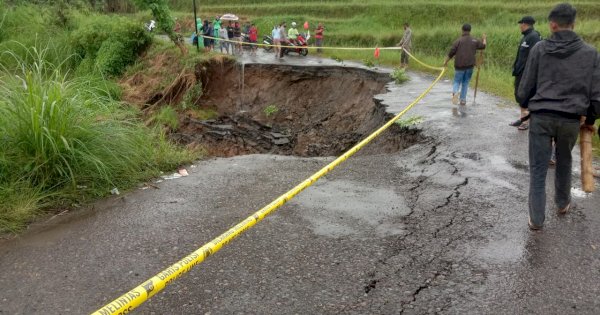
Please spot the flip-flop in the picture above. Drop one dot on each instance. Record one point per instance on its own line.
(516, 123)
(523, 127)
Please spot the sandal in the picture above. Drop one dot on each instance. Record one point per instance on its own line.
(516, 123)
(523, 127)
(533, 227)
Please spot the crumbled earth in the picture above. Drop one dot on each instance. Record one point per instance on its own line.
(277, 109)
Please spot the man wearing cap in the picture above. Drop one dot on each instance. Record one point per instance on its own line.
(530, 38)
(560, 87)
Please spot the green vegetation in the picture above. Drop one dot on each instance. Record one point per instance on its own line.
(270, 110)
(109, 44)
(399, 75)
(65, 137)
(409, 121)
(368, 63)
(167, 116)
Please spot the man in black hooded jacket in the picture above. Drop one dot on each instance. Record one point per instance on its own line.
(530, 38)
(560, 86)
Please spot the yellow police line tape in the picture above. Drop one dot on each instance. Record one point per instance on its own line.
(138, 295)
(307, 47)
(329, 48)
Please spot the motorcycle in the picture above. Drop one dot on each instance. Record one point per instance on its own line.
(299, 45)
(268, 41)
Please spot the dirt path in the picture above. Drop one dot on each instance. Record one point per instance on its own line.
(437, 228)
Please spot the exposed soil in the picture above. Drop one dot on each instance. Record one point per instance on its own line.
(279, 109)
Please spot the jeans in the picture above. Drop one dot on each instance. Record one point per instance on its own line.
(542, 128)
(461, 79)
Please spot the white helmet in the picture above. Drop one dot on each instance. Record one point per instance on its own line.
(293, 24)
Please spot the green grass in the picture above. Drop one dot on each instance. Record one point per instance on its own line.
(167, 116)
(66, 140)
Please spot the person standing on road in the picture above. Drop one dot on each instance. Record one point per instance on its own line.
(559, 83)
(223, 42)
(464, 49)
(230, 34)
(530, 38)
(406, 45)
(237, 37)
(276, 35)
(253, 38)
(283, 38)
(217, 30)
(319, 37)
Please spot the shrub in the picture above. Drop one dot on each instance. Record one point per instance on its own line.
(109, 44)
(399, 75)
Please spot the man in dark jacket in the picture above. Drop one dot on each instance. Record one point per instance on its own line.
(463, 49)
(530, 38)
(560, 85)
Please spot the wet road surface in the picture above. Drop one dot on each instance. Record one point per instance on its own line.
(437, 228)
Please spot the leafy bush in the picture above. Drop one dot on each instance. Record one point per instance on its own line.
(399, 75)
(109, 44)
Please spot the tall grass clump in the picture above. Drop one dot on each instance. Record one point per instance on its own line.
(64, 139)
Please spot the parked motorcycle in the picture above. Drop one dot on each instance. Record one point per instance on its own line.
(267, 40)
(300, 45)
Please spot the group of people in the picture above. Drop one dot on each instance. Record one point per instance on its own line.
(557, 85)
(229, 39)
(283, 36)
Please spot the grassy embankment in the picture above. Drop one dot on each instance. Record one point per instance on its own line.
(65, 137)
(436, 24)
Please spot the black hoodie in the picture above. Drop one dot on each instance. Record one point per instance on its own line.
(562, 75)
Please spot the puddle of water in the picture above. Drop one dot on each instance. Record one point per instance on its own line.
(340, 208)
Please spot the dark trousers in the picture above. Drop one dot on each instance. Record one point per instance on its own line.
(542, 128)
(517, 82)
(403, 57)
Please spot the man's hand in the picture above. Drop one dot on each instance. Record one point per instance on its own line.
(589, 128)
(446, 61)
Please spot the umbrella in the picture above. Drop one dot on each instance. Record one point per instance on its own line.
(229, 17)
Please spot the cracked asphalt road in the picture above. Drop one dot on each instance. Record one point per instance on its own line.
(437, 228)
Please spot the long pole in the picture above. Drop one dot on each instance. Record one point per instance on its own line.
(477, 76)
(196, 25)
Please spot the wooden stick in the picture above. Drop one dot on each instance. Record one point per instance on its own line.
(477, 75)
(587, 171)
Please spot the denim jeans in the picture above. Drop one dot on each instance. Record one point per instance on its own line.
(461, 80)
(542, 128)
